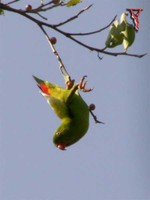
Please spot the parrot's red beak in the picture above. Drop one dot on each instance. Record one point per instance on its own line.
(61, 146)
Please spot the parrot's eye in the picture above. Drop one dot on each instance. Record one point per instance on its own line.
(58, 133)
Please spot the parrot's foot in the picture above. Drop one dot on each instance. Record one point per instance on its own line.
(82, 85)
(70, 83)
(61, 146)
(92, 107)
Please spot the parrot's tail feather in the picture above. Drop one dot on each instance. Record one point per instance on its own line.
(39, 81)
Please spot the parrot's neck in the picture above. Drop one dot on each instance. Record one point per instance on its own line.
(66, 120)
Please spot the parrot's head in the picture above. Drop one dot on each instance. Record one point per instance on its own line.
(63, 137)
(60, 139)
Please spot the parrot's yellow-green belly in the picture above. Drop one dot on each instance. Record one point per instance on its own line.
(75, 125)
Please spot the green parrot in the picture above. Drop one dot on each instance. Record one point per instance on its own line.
(70, 108)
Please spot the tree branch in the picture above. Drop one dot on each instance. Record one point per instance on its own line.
(63, 70)
(70, 35)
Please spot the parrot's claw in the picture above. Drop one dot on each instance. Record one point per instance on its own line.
(69, 83)
(82, 85)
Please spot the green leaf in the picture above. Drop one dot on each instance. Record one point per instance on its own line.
(72, 3)
(121, 33)
(123, 18)
(129, 36)
(1, 11)
(115, 37)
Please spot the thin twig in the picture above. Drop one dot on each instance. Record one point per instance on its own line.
(74, 17)
(99, 56)
(12, 2)
(61, 65)
(50, 7)
(93, 32)
(95, 118)
(41, 16)
(43, 8)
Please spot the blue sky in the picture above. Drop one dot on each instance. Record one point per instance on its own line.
(112, 161)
